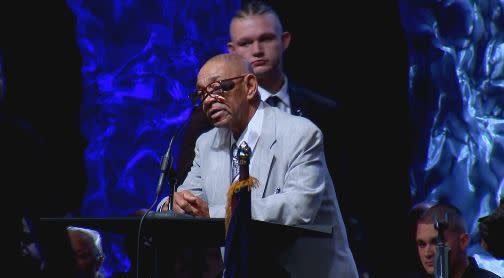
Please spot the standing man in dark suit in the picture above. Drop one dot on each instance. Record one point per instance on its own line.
(256, 34)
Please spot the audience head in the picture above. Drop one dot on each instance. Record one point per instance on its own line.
(87, 248)
(228, 91)
(491, 229)
(414, 215)
(455, 236)
(257, 35)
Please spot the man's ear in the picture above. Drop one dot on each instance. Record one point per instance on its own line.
(464, 241)
(251, 83)
(231, 47)
(286, 39)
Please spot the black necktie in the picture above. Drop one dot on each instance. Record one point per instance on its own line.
(273, 101)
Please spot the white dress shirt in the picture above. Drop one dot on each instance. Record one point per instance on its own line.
(282, 94)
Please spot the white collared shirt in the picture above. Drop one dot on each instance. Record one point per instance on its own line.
(250, 135)
(284, 103)
(253, 130)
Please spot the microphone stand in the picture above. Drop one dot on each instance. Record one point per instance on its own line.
(166, 170)
(441, 264)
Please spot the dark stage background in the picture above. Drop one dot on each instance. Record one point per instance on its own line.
(93, 91)
(356, 53)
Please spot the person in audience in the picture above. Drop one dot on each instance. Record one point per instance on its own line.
(491, 229)
(86, 245)
(456, 239)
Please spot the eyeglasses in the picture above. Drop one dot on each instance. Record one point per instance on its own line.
(216, 88)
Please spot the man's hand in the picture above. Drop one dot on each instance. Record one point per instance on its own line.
(186, 202)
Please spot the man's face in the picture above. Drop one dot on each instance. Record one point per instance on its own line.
(426, 236)
(259, 40)
(223, 108)
(426, 245)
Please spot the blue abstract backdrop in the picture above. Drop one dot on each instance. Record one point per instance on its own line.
(456, 58)
(140, 61)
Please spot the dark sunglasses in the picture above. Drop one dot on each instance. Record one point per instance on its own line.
(216, 88)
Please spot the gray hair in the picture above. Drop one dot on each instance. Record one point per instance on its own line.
(93, 235)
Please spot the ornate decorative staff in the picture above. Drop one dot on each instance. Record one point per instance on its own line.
(238, 249)
(244, 182)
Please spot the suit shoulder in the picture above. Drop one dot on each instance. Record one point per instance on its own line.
(207, 135)
(300, 123)
(313, 97)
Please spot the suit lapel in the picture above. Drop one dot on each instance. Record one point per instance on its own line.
(263, 156)
(219, 177)
(296, 99)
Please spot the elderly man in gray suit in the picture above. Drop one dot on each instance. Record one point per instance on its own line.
(287, 159)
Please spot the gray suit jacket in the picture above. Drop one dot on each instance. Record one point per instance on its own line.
(294, 188)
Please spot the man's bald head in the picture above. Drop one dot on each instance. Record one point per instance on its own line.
(228, 89)
(234, 64)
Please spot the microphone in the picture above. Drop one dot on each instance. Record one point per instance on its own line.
(166, 168)
(167, 160)
(166, 164)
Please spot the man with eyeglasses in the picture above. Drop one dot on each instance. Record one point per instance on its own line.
(294, 185)
(256, 34)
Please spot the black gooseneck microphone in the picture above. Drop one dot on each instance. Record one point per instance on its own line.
(167, 159)
(166, 166)
(166, 169)
(166, 162)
